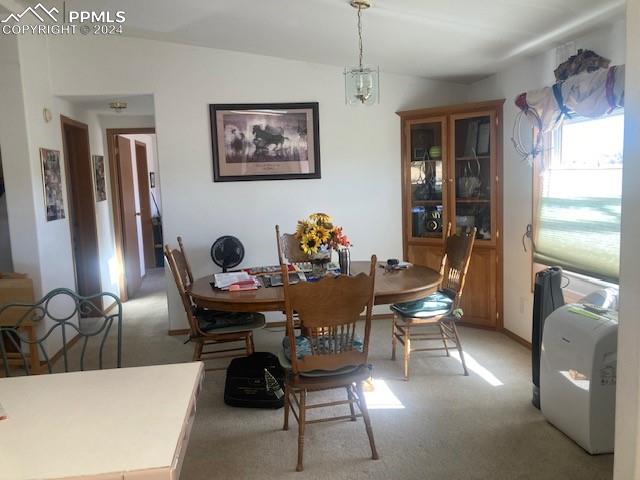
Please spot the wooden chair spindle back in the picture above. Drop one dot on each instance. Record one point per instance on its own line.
(179, 269)
(329, 310)
(186, 261)
(455, 263)
(289, 248)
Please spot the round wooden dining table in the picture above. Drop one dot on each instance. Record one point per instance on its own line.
(395, 286)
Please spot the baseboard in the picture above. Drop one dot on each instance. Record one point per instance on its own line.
(382, 316)
(462, 323)
(517, 338)
(60, 353)
(110, 307)
(179, 331)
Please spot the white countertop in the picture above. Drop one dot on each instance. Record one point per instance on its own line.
(95, 422)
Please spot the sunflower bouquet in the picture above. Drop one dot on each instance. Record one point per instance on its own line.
(318, 234)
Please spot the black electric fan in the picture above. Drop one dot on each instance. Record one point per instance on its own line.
(227, 252)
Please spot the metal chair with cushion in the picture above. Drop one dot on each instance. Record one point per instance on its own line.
(64, 318)
(330, 355)
(417, 320)
(209, 328)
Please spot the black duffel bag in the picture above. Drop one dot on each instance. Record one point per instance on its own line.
(256, 381)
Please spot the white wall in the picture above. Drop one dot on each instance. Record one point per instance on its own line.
(359, 147)
(40, 248)
(54, 237)
(531, 73)
(17, 168)
(627, 458)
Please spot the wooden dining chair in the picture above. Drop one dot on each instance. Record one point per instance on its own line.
(416, 321)
(70, 317)
(289, 250)
(211, 328)
(336, 358)
(187, 265)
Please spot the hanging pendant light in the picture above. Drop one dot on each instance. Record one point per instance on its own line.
(361, 83)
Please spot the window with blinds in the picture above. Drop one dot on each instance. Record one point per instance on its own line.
(577, 224)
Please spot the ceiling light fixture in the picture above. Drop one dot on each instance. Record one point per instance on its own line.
(361, 83)
(118, 106)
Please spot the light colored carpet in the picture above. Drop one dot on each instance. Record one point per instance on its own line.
(451, 427)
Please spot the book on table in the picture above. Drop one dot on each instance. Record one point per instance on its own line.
(235, 281)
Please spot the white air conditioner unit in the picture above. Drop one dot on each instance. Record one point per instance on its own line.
(578, 375)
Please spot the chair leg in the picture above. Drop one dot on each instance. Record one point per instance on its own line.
(351, 407)
(362, 403)
(286, 405)
(253, 347)
(301, 424)
(407, 352)
(248, 343)
(459, 345)
(444, 339)
(197, 351)
(394, 340)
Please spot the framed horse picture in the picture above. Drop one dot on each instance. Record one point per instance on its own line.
(270, 141)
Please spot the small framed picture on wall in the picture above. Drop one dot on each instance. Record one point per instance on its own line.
(52, 184)
(101, 185)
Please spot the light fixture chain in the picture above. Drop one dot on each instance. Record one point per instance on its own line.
(360, 35)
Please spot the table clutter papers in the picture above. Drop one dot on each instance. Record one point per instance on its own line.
(276, 279)
(397, 266)
(235, 281)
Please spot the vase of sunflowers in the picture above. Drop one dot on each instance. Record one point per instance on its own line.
(318, 237)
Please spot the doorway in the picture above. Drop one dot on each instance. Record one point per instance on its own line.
(82, 211)
(137, 223)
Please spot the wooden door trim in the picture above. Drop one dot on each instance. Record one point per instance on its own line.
(148, 249)
(66, 122)
(116, 197)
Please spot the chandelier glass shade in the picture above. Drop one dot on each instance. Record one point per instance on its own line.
(361, 85)
(361, 82)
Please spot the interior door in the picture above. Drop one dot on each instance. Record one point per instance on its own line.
(82, 214)
(131, 253)
(145, 204)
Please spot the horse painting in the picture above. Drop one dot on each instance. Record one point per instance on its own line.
(263, 138)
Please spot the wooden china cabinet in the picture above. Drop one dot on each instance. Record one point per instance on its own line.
(452, 172)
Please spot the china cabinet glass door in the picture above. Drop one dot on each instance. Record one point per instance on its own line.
(473, 180)
(427, 179)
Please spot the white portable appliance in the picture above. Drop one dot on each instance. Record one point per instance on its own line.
(578, 374)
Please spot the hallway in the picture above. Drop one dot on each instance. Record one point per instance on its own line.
(145, 325)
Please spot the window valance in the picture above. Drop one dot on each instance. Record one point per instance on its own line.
(588, 94)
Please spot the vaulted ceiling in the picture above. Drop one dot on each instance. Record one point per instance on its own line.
(459, 40)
